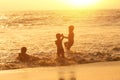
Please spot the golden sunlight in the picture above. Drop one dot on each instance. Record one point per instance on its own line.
(82, 3)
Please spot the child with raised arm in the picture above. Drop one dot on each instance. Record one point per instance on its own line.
(58, 42)
(70, 38)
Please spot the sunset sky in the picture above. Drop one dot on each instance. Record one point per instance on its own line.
(54, 5)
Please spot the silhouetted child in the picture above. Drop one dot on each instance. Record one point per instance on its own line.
(58, 42)
(23, 56)
(70, 38)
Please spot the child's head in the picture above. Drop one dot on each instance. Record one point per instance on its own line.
(23, 50)
(71, 28)
(58, 35)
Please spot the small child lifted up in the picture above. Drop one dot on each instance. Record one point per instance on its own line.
(58, 42)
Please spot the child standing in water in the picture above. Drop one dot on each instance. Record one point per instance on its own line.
(70, 38)
(58, 42)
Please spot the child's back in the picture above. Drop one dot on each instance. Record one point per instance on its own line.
(58, 42)
(71, 37)
(59, 46)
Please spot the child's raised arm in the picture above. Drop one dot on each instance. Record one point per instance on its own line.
(62, 36)
(65, 37)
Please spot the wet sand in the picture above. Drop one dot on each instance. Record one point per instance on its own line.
(92, 71)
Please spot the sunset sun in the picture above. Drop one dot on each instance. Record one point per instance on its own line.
(82, 3)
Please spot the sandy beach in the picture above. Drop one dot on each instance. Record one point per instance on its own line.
(93, 71)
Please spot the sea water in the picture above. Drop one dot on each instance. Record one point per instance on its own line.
(95, 31)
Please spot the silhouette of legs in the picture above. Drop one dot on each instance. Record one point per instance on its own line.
(68, 45)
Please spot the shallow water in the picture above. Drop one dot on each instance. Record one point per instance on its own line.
(87, 40)
(96, 71)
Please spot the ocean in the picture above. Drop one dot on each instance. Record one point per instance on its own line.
(95, 31)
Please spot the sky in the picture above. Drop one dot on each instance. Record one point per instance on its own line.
(52, 5)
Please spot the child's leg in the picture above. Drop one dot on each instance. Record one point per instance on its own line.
(66, 44)
(58, 55)
(62, 55)
(69, 45)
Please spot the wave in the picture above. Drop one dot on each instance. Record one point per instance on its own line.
(37, 18)
(50, 60)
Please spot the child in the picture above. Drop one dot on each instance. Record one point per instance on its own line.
(23, 56)
(70, 38)
(58, 42)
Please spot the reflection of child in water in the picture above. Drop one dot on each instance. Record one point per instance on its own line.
(70, 38)
(58, 42)
(23, 56)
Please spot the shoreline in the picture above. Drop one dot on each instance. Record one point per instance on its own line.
(51, 61)
(93, 71)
